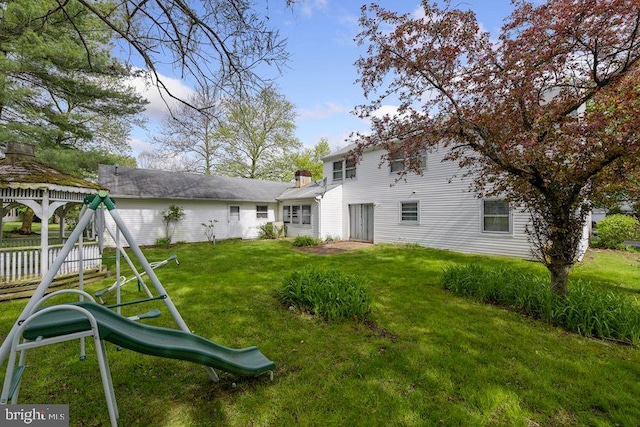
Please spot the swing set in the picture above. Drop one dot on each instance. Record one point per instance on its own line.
(37, 326)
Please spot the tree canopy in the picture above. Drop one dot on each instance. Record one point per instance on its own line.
(59, 84)
(258, 136)
(545, 116)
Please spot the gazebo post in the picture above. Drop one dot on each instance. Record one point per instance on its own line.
(44, 234)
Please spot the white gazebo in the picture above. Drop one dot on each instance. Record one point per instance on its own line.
(24, 181)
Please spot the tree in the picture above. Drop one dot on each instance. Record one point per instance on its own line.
(209, 41)
(311, 159)
(192, 134)
(258, 136)
(82, 163)
(546, 116)
(59, 84)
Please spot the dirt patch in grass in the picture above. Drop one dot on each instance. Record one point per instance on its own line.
(334, 247)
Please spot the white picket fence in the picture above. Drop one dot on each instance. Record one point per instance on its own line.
(17, 264)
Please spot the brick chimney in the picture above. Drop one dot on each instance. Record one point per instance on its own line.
(303, 178)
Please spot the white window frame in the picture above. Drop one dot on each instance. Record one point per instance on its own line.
(401, 211)
(400, 160)
(347, 169)
(299, 215)
(509, 215)
(232, 215)
(336, 171)
(262, 212)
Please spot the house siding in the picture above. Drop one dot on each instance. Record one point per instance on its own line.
(331, 214)
(143, 218)
(450, 216)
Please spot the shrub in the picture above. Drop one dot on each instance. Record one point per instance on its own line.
(585, 309)
(306, 241)
(329, 294)
(613, 230)
(270, 231)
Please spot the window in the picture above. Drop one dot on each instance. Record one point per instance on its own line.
(350, 168)
(262, 212)
(337, 171)
(496, 216)
(286, 214)
(344, 169)
(306, 214)
(234, 213)
(409, 212)
(401, 163)
(296, 214)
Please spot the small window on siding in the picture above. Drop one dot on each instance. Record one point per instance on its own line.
(262, 212)
(409, 212)
(337, 171)
(496, 216)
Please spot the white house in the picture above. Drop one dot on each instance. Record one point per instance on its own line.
(363, 201)
(237, 205)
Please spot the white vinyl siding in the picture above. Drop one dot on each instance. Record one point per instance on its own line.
(143, 218)
(449, 214)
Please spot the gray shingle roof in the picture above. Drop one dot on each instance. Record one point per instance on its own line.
(309, 192)
(154, 184)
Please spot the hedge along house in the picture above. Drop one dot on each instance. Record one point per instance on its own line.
(238, 206)
(26, 182)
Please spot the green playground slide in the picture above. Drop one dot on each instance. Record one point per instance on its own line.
(162, 342)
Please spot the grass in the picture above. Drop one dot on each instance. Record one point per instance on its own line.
(425, 358)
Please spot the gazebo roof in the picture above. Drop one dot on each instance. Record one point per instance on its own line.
(19, 169)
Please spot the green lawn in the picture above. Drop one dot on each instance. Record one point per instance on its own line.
(427, 357)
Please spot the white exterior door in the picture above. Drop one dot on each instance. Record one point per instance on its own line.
(235, 226)
(361, 222)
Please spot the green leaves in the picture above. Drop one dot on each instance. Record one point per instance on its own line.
(329, 294)
(585, 309)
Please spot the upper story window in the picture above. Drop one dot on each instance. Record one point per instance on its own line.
(262, 212)
(496, 216)
(344, 169)
(401, 163)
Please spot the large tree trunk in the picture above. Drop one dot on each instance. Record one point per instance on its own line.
(27, 220)
(559, 277)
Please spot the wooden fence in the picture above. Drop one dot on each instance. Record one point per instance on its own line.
(23, 263)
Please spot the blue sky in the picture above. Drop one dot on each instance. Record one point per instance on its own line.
(320, 77)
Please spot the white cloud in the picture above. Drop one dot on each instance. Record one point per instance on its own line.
(157, 97)
(138, 145)
(309, 7)
(319, 112)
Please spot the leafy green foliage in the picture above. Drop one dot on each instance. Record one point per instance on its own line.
(270, 231)
(585, 309)
(59, 84)
(613, 230)
(330, 294)
(300, 241)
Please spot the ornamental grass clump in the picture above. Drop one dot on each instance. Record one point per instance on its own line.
(585, 309)
(329, 294)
